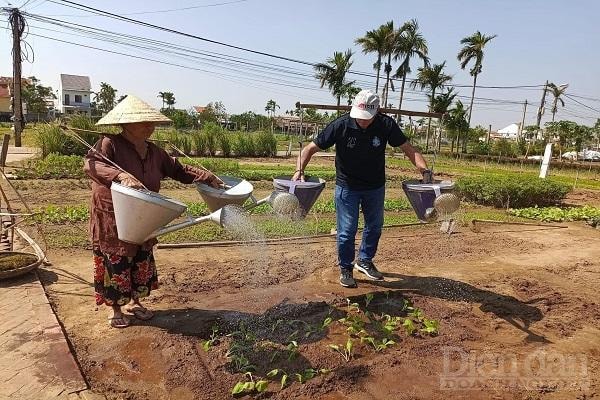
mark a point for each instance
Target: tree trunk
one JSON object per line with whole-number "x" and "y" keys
{"x": 401, "y": 95}
{"x": 458, "y": 141}
{"x": 387, "y": 79}
{"x": 338, "y": 104}
{"x": 429, "y": 123}
{"x": 452, "y": 146}
{"x": 378, "y": 72}
{"x": 472, "y": 97}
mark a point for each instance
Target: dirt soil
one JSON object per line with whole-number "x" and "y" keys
{"x": 518, "y": 313}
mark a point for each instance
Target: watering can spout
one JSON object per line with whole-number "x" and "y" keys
{"x": 213, "y": 217}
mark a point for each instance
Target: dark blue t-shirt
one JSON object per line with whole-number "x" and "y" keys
{"x": 360, "y": 153}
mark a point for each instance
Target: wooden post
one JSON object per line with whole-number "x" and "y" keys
{"x": 16, "y": 21}
{"x": 542, "y": 103}
{"x": 522, "y": 121}
{"x": 4, "y": 150}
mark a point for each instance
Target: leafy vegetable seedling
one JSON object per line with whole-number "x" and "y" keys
{"x": 207, "y": 344}
{"x": 345, "y": 351}
{"x": 432, "y": 326}
{"x": 368, "y": 298}
{"x": 249, "y": 386}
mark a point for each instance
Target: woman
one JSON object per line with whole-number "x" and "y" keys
{"x": 124, "y": 273}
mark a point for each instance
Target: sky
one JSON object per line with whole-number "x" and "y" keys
{"x": 537, "y": 40}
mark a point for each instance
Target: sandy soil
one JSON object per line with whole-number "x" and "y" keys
{"x": 512, "y": 294}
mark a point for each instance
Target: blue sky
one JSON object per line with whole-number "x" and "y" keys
{"x": 537, "y": 40}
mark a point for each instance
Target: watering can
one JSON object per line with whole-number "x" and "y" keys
{"x": 236, "y": 191}
{"x": 306, "y": 192}
{"x": 424, "y": 198}
{"x": 142, "y": 214}
{"x": 283, "y": 203}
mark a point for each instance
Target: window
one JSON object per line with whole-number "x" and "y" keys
{"x": 77, "y": 98}
{"x": 67, "y": 100}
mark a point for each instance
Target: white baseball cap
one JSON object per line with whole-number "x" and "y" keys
{"x": 365, "y": 105}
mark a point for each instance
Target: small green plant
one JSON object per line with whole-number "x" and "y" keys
{"x": 379, "y": 346}
{"x": 54, "y": 166}
{"x": 346, "y": 351}
{"x": 247, "y": 387}
{"x": 368, "y": 298}
{"x": 292, "y": 350}
{"x": 284, "y": 376}
{"x": 207, "y": 344}
{"x": 409, "y": 326}
{"x": 431, "y": 326}
{"x": 556, "y": 214}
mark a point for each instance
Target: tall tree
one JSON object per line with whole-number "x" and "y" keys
{"x": 162, "y": 97}
{"x": 557, "y": 92}
{"x": 333, "y": 73}
{"x": 411, "y": 43}
{"x": 473, "y": 51}
{"x": 36, "y": 96}
{"x": 271, "y": 107}
{"x": 456, "y": 123}
{"x": 431, "y": 78}
{"x": 169, "y": 100}
{"x": 106, "y": 97}
{"x": 376, "y": 41}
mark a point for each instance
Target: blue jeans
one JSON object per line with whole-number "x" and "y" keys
{"x": 347, "y": 207}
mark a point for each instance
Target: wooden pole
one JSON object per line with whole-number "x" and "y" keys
{"x": 4, "y": 151}
{"x": 16, "y": 21}
{"x": 522, "y": 121}
{"x": 542, "y": 103}
{"x": 382, "y": 110}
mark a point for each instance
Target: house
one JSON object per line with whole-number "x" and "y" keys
{"x": 75, "y": 94}
{"x": 5, "y": 98}
{"x": 510, "y": 132}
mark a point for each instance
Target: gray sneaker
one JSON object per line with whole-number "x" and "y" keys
{"x": 368, "y": 268}
{"x": 346, "y": 278}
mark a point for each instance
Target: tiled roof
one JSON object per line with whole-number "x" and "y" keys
{"x": 4, "y": 90}
{"x": 199, "y": 109}
{"x": 75, "y": 82}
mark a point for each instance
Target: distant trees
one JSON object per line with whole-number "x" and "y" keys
{"x": 105, "y": 98}
{"x": 37, "y": 96}
{"x": 473, "y": 51}
{"x": 557, "y": 92}
{"x": 333, "y": 73}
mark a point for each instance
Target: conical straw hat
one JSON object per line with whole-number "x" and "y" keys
{"x": 131, "y": 110}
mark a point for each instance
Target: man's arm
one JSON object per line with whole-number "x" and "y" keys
{"x": 415, "y": 157}
{"x": 305, "y": 156}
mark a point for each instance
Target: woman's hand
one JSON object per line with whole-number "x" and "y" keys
{"x": 298, "y": 176}
{"x": 129, "y": 180}
{"x": 216, "y": 182}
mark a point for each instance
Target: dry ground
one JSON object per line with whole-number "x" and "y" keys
{"x": 497, "y": 295}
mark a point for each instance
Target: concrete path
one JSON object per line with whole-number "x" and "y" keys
{"x": 35, "y": 359}
{"x": 21, "y": 153}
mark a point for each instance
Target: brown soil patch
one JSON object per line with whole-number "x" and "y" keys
{"x": 497, "y": 296}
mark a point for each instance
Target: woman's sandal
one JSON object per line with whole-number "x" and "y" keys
{"x": 119, "y": 322}
{"x": 141, "y": 313}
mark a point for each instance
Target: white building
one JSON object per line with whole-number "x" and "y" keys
{"x": 510, "y": 132}
{"x": 75, "y": 94}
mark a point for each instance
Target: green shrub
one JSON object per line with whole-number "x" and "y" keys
{"x": 54, "y": 166}
{"x": 243, "y": 145}
{"x": 82, "y": 122}
{"x": 505, "y": 148}
{"x": 265, "y": 144}
{"x": 199, "y": 143}
{"x": 211, "y": 132}
{"x": 481, "y": 148}
{"x": 556, "y": 214}
{"x": 511, "y": 191}
{"x": 225, "y": 144}
{"x": 50, "y": 138}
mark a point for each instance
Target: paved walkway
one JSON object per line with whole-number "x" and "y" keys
{"x": 20, "y": 153}
{"x": 35, "y": 360}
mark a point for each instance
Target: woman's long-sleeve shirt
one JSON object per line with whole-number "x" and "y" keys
{"x": 149, "y": 171}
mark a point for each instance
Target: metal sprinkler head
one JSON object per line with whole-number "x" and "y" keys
{"x": 284, "y": 203}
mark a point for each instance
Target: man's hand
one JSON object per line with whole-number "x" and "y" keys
{"x": 298, "y": 176}
{"x": 427, "y": 176}
{"x": 129, "y": 180}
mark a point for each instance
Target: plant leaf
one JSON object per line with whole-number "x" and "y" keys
{"x": 249, "y": 386}
{"x": 272, "y": 373}
{"x": 238, "y": 388}
{"x": 284, "y": 379}
{"x": 261, "y": 386}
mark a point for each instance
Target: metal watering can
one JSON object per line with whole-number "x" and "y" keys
{"x": 142, "y": 214}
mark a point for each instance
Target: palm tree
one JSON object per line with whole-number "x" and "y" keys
{"x": 456, "y": 123}
{"x": 432, "y": 78}
{"x": 333, "y": 73}
{"x": 106, "y": 97}
{"x": 441, "y": 104}
{"x": 169, "y": 99}
{"x": 162, "y": 97}
{"x": 271, "y": 107}
{"x": 411, "y": 43}
{"x": 350, "y": 92}
{"x": 375, "y": 41}
{"x": 473, "y": 50}
{"x": 557, "y": 92}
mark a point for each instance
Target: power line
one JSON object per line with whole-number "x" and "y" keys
{"x": 580, "y": 103}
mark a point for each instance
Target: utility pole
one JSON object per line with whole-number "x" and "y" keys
{"x": 489, "y": 134}
{"x": 523, "y": 120}
{"x": 542, "y": 104}
{"x": 17, "y": 23}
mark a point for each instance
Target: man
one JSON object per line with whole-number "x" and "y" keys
{"x": 360, "y": 140}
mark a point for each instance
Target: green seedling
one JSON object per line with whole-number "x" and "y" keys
{"x": 416, "y": 313}
{"x": 389, "y": 325}
{"x": 345, "y": 351}
{"x": 292, "y": 349}
{"x": 354, "y": 323}
{"x": 207, "y": 344}
{"x": 431, "y": 326}
{"x": 409, "y": 326}
{"x": 368, "y": 298}
{"x": 284, "y": 376}
{"x": 352, "y": 306}
{"x": 310, "y": 329}
{"x": 378, "y": 346}
{"x": 241, "y": 363}
{"x": 275, "y": 325}
{"x": 249, "y": 386}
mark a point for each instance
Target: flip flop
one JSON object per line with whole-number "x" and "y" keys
{"x": 141, "y": 313}
{"x": 114, "y": 324}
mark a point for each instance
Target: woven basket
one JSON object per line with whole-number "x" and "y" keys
{"x": 13, "y": 273}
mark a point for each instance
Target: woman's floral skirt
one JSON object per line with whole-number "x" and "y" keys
{"x": 119, "y": 279}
